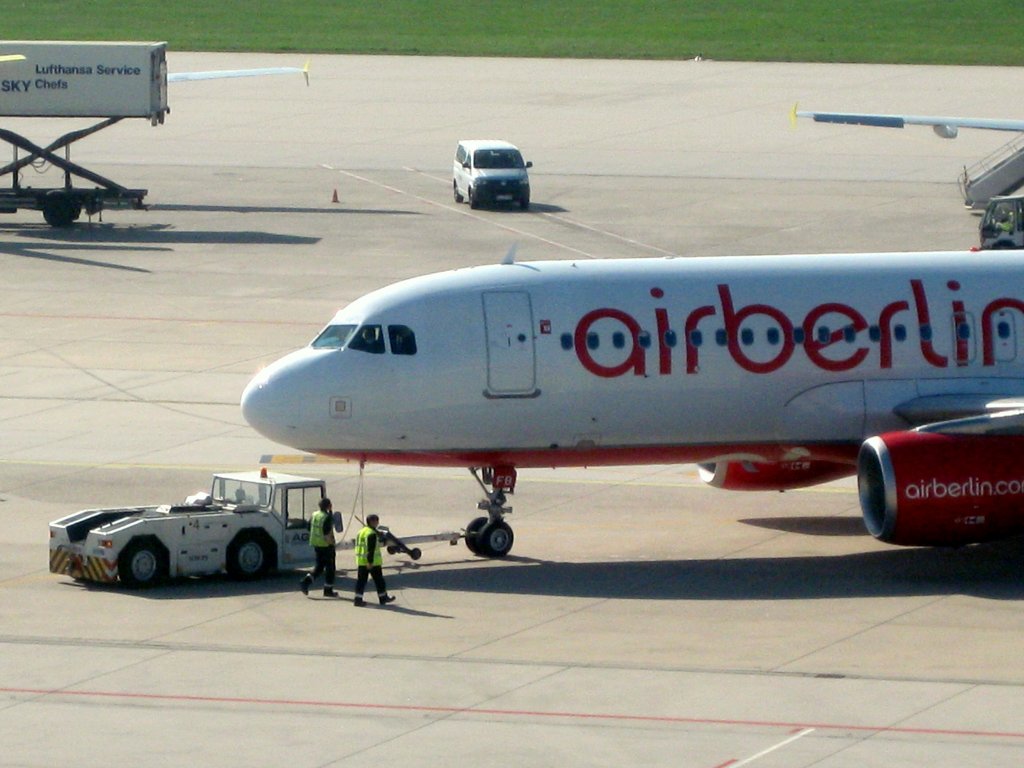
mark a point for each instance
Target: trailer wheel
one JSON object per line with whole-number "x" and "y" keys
{"x": 59, "y": 208}
{"x": 472, "y": 530}
{"x": 250, "y": 554}
{"x": 142, "y": 563}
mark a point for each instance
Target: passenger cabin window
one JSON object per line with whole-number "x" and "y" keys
{"x": 369, "y": 338}
{"x": 403, "y": 340}
{"x": 333, "y": 337}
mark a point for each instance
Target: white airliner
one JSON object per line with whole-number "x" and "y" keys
{"x": 771, "y": 372}
{"x": 944, "y": 127}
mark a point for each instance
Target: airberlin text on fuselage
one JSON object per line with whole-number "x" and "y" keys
{"x": 824, "y": 352}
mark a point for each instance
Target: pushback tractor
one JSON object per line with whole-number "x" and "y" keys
{"x": 249, "y": 523}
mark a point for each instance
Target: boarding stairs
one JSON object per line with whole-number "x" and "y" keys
{"x": 1000, "y": 173}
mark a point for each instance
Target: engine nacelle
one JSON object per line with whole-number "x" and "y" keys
{"x": 927, "y": 488}
{"x": 946, "y": 131}
{"x": 755, "y": 476}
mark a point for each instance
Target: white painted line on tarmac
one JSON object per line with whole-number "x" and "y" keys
{"x": 764, "y": 752}
{"x": 455, "y": 209}
{"x": 577, "y": 224}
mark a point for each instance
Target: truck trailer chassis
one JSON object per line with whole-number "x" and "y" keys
{"x": 62, "y": 206}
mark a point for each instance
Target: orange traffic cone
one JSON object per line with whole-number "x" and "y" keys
{"x": 334, "y": 198}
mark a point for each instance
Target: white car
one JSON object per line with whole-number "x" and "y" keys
{"x": 487, "y": 171}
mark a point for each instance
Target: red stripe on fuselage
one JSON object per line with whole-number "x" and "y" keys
{"x": 840, "y": 453}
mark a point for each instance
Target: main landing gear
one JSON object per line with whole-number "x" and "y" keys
{"x": 491, "y": 536}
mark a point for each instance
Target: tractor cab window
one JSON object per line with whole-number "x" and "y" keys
{"x": 300, "y": 505}
{"x": 241, "y": 493}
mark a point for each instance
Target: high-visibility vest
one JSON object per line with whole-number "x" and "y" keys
{"x": 362, "y": 545}
{"x": 317, "y": 537}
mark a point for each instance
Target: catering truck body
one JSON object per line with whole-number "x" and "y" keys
{"x": 83, "y": 79}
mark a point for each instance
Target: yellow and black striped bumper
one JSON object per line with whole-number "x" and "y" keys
{"x": 87, "y": 567}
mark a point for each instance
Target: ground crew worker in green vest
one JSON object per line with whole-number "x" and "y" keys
{"x": 369, "y": 562}
{"x": 321, "y": 538}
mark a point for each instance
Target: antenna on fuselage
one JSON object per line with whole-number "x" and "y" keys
{"x": 510, "y": 257}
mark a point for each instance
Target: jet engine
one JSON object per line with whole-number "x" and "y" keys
{"x": 755, "y": 476}
{"x": 934, "y": 489}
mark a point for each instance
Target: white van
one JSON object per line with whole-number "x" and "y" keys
{"x": 487, "y": 171}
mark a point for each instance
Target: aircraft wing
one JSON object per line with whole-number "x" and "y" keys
{"x": 946, "y": 127}
{"x": 176, "y": 77}
{"x": 1002, "y": 423}
{"x": 930, "y": 411}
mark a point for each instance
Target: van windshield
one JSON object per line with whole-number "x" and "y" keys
{"x": 498, "y": 158}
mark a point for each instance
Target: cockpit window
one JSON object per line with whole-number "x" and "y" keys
{"x": 333, "y": 337}
{"x": 369, "y": 338}
{"x": 498, "y": 158}
{"x": 403, "y": 340}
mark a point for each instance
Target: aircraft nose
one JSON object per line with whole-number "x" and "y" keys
{"x": 281, "y": 401}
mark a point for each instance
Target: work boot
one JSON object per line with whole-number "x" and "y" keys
{"x": 328, "y": 592}
{"x": 304, "y": 584}
{"x": 359, "y": 602}
{"x": 385, "y": 599}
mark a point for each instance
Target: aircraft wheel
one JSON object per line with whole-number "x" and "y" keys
{"x": 472, "y": 531}
{"x": 495, "y": 539}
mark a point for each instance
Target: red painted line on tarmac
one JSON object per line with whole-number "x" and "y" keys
{"x": 615, "y": 717}
{"x": 727, "y": 762}
{"x": 140, "y": 319}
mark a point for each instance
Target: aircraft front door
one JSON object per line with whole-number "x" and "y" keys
{"x": 511, "y": 361}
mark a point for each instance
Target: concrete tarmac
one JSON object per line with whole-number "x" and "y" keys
{"x": 642, "y": 619}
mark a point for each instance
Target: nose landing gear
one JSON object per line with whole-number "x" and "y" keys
{"x": 491, "y": 536}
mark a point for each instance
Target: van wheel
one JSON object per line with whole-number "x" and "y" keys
{"x": 473, "y": 202}
{"x": 455, "y": 190}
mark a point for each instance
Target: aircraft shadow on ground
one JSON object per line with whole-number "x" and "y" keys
{"x": 811, "y": 526}
{"x": 155, "y": 235}
{"x": 990, "y": 571}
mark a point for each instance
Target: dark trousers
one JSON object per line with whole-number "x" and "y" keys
{"x": 363, "y": 573}
{"x": 325, "y": 564}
